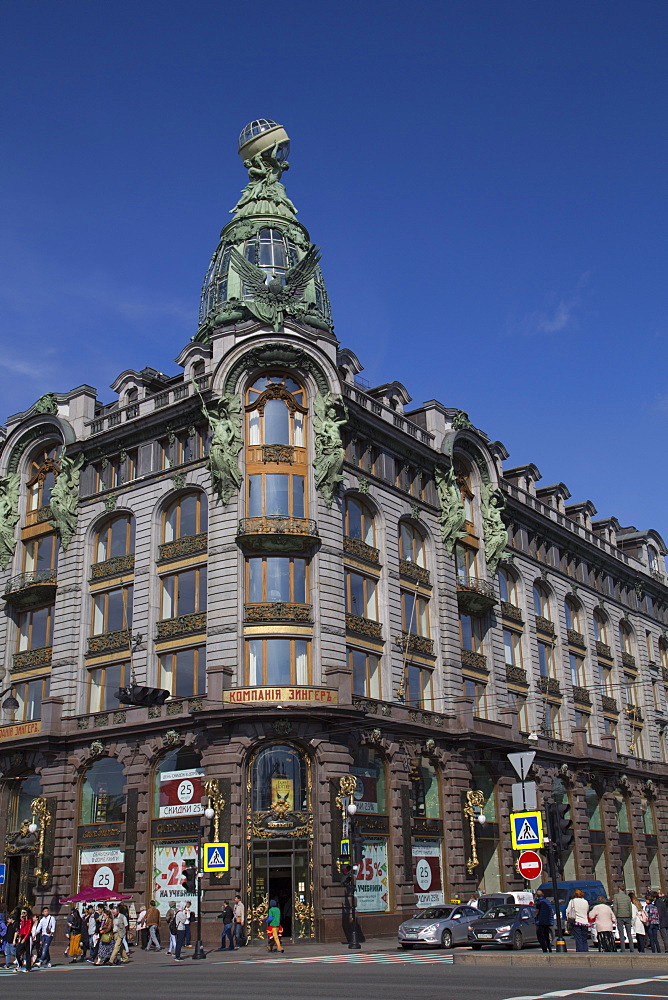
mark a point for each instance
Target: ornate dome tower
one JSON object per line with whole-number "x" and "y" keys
{"x": 265, "y": 266}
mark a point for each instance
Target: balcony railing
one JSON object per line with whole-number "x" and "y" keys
{"x": 112, "y": 567}
{"x": 576, "y": 638}
{"x": 414, "y": 572}
{"x": 581, "y": 695}
{"x": 628, "y": 659}
{"x": 603, "y": 649}
{"x": 474, "y": 661}
{"x": 544, "y": 625}
{"x": 181, "y": 548}
{"x": 512, "y": 612}
{"x": 171, "y": 628}
{"x": 360, "y": 550}
{"x": 277, "y": 533}
{"x": 364, "y": 626}
{"x": 475, "y": 596}
{"x": 412, "y": 643}
{"x": 609, "y": 704}
{"x": 35, "y": 587}
{"x": 27, "y": 659}
{"x": 109, "y": 642}
{"x": 549, "y": 685}
{"x": 515, "y": 675}
{"x": 278, "y": 611}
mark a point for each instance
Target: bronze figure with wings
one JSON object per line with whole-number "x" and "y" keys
{"x": 273, "y": 299}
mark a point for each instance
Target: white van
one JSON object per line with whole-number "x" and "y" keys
{"x": 487, "y": 901}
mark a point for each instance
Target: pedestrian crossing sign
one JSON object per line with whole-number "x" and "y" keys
{"x": 526, "y": 830}
{"x": 216, "y": 857}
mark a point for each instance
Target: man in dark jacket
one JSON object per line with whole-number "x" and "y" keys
{"x": 661, "y": 904}
{"x": 227, "y": 916}
{"x": 544, "y": 921}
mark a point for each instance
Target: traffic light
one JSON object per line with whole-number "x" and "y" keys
{"x": 560, "y": 825}
{"x": 134, "y": 694}
{"x": 189, "y": 881}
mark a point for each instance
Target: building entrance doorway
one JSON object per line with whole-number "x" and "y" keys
{"x": 281, "y": 870}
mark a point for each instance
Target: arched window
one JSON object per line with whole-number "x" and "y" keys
{"x": 42, "y": 474}
{"x": 276, "y": 459}
{"x": 185, "y": 517}
{"x": 369, "y": 769}
{"x": 626, "y": 638}
{"x": 115, "y": 538}
{"x": 541, "y": 601}
{"x": 573, "y": 615}
{"x": 597, "y": 838}
{"x": 560, "y": 795}
{"x": 625, "y": 835}
{"x": 102, "y": 793}
{"x": 488, "y": 872}
{"x": 358, "y": 521}
{"x": 508, "y": 587}
{"x": 411, "y": 544}
{"x": 651, "y": 842}
{"x": 278, "y": 776}
{"x": 425, "y": 797}
{"x": 22, "y": 794}
{"x": 177, "y": 784}
{"x": 601, "y": 632}
{"x": 271, "y": 251}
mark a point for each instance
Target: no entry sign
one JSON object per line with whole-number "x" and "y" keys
{"x": 530, "y": 865}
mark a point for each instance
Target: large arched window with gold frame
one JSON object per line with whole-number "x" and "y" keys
{"x": 22, "y": 792}
{"x": 597, "y": 837}
{"x": 276, "y": 460}
{"x": 102, "y": 802}
{"x": 178, "y": 795}
{"x": 102, "y": 795}
{"x": 42, "y": 474}
{"x": 279, "y": 780}
{"x": 488, "y": 871}
{"x": 371, "y": 798}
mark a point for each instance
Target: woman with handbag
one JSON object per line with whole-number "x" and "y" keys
{"x": 106, "y": 945}
{"x": 74, "y": 950}
{"x": 578, "y": 912}
{"x": 638, "y": 921}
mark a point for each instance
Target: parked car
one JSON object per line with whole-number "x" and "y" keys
{"x": 566, "y": 890}
{"x": 489, "y": 901}
{"x": 437, "y": 925}
{"x": 509, "y": 925}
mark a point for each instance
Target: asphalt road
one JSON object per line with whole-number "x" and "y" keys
{"x": 380, "y": 975}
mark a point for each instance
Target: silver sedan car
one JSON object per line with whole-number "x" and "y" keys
{"x": 438, "y": 925}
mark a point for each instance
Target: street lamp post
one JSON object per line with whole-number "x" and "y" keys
{"x": 351, "y": 809}
{"x": 199, "y": 947}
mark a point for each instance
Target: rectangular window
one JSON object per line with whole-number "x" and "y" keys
{"x": 522, "y": 712}
{"x": 478, "y": 691}
{"x": 276, "y": 578}
{"x": 41, "y": 553}
{"x": 115, "y": 471}
{"x": 419, "y": 690}
{"x": 29, "y": 696}
{"x": 361, "y": 596}
{"x": 552, "y": 720}
{"x": 576, "y": 664}
{"x": 35, "y": 628}
{"x": 112, "y": 610}
{"x": 582, "y": 720}
{"x": 545, "y": 659}
{"x": 470, "y": 629}
{"x": 465, "y": 559}
{"x": 278, "y": 662}
{"x": 414, "y": 613}
{"x": 103, "y": 683}
{"x": 183, "y": 673}
{"x": 365, "y": 669}
{"x": 605, "y": 678}
{"x": 276, "y": 495}
{"x": 512, "y": 644}
{"x": 184, "y": 593}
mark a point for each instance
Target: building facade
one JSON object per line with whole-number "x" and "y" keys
{"x": 345, "y": 598}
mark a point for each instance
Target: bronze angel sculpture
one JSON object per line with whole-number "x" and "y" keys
{"x": 273, "y": 299}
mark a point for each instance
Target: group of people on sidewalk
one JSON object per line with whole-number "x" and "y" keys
{"x": 645, "y": 922}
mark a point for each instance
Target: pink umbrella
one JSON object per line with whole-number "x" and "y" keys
{"x": 94, "y": 895}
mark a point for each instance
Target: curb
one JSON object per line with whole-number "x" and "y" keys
{"x": 573, "y": 959}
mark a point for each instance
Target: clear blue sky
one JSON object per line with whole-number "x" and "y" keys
{"x": 486, "y": 178}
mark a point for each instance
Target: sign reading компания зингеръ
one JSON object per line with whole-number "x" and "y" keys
{"x": 20, "y": 729}
{"x": 284, "y": 695}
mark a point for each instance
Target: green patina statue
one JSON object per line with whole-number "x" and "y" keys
{"x": 9, "y": 515}
{"x": 225, "y": 421}
{"x": 273, "y": 299}
{"x": 329, "y": 453}
{"x": 452, "y": 514}
{"x": 495, "y": 532}
{"x": 65, "y": 497}
{"x": 46, "y": 403}
{"x": 264, "y": 194}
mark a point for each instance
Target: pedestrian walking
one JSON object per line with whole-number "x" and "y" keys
{"x": 170, "y": 920}
{"x": 544, "y": 916}
{"x": 142, "y": 929}
{"x": 180, "y": 923}
{"x": 46, "y": 928}
{"x": 3, "y": 936}
{"x": 603, "y": 918}
{"x": 274, "y": 926}
{"x": 652, "y": 925}
{"x": 23, "y": 941}
{"x": 74, "y": 950}
{"x": 578, "y": 912}
{"x": 188, "y": 918}
{"x": 623, "y": 911}
{"x": 9, "y": 945}
{"x": 239, "y": 921}
{"x": 639, "y": 920}
{"x": 106, "y": 942}
{"x": 120, "y": 925}
{"x": 227, "y": 934}
{"x": 93, "y": 922}
{"x": 152, "y": 924}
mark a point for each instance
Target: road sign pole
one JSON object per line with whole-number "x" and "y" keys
{"x": 199, "y": 947}
{"x": 552, "y": 865}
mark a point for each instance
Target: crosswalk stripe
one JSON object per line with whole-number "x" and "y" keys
{"x": 375, "y": 958}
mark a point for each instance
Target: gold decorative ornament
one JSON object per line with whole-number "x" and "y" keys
{"x": 475, "y": 800}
